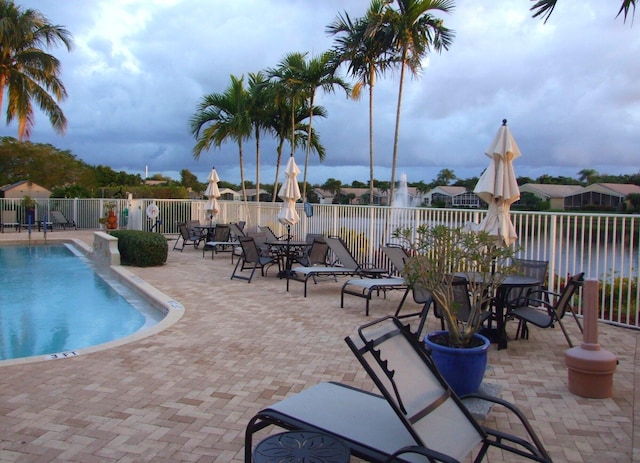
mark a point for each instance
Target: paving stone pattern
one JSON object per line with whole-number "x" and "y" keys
{"x": 187, "y": 393}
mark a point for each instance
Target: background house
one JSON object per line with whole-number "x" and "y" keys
{"x": 555, "y": 194}
{"x": 24, "y": 188}
{"x": 452, "y": 196}
{"x": 603, "y": 196}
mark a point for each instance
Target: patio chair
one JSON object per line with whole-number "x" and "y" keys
{"x": 346, "y": 265}
{"x": 417, "y": 417}
{"x": 367, "y": 287}
{"x": 460, "y": 287}
{"x": 187, "y": 236}
{"x": 9, "y": 219}
{"x": 316, "y": 254}
{"x": 545, "y": 308}
{"x": 60, "y": 221}
{"x": 220, "y": 241}
{"x": 251, "y": 258}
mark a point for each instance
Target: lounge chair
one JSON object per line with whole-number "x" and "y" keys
{"x": 251, "y": 258}
{"x": 366, "y": 287}
{"x": 545, "y": 308}
{"x": 188, "y": 237}
{"x": 417, "y": 418}
{"x": 60, "y": 221}
{"x": 220, "y": 241}
{"x": 348, "y": 265}
{"x": 9, "y": 219}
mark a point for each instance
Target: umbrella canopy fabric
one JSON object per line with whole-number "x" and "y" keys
{"x": 212, "y": 192}
{"x": 498, "y": 186}
{"x": 290, "y": 193}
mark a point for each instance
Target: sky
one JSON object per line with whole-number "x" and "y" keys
{"x": 139, "y": 69}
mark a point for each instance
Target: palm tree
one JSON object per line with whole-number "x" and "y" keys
{"x": 280, "y": 123}
{"x": 587, "y": 176}
{"x": 445, "y": 176}
{"x": 27, "y": 72}
{"x": 415, "y": 33}
{"x": 544, "y": 8}
{"x": 223, "y": 116}
{"x": 367, "y": 57}
{"x": 318, "y": 72}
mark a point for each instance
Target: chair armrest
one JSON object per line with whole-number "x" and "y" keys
{"x": 535, "y": 447}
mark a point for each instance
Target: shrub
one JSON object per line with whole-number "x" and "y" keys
{"x": 140, "y": 248}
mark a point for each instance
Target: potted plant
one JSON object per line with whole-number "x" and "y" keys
{"x": 110, "y": 215}
{"x": 29, "y": 205}
{"x": 440, "y": 257}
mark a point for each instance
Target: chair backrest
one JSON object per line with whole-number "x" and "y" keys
{"x": 312, "y": 236}
{"x": 460, "y": 289}
{"x": 572, "y": 286}
{"x": 221, "y": 233}
{"x": 10, "y": 217}
{"x": 184, "y": 231}
{"x": 532, "y": 268}
{"x": 268, "y": 233}
{"x": 250, "y": 251}
{"x": 58, "y": 217}
{"x": 412, "y": 385}
{"x": 236, "y": 231}
{"x": 397, "y": 255}
{"x": 318, "y": 252}
{"x": 342, "y": 253}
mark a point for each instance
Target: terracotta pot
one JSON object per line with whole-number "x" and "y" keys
{"x": 112, "y": 221}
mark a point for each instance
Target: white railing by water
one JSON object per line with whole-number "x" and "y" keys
{"x": 604, "y": 246}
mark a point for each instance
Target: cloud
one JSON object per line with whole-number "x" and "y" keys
{"x": 140, "y": 68}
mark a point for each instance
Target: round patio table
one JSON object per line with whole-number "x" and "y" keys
{"x": 299, "y": 446}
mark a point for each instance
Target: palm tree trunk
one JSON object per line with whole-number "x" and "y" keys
{"x": 257, "y": 164}
{"x": 306, "y": 157}
{"x": 275, "y": 183}
{"x": 397, "y": 130}
{"x": 372, "y": 78}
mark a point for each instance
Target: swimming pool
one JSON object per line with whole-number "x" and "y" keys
{"x": 53, "y": 302}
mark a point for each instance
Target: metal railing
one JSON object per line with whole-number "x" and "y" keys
{"x": 604, "y": 246}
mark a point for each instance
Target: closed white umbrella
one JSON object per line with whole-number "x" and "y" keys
{"x": 290, "y": 193}
{"x": 212, "y": 193}
{"x": 498, "y": 186}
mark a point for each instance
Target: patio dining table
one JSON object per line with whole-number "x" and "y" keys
{"x": 501, "y": 300}
{"x": 288, "y": 249}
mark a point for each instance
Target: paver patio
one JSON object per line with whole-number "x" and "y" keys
{"x": 186, "y": 394}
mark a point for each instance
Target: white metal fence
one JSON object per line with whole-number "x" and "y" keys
{"x": 604, "y": 246}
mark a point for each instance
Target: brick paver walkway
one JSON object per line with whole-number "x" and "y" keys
{"x": 186, "y": 394}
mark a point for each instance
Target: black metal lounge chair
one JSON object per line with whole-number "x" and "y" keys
{"x": 347, "y": 265}
{"x": 545, "y": 308}
{"x": 60, "y": 221}
{"x": 252, "y": 258}
{"x": 187, "y": 236}
{"x": 417, "y": 417}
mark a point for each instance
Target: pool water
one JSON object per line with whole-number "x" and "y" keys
{"x": 52, "y": 301}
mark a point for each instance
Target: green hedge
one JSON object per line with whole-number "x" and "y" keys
{"x": 140, "y": 248}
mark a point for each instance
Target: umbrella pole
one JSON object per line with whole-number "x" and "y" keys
{"x": 287, "y": 268}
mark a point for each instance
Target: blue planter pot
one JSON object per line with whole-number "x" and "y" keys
{"x": 462, "y": 368}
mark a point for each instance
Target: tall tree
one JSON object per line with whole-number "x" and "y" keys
{"x": 223, "y": 116}
{"x": 367, "y": 56}
{"x": 416, "y": 31}
{"x": 27, "y": 72}
{"x": 544, "y": 8}
{"x": 588, "y": 176}
{"x": 318, "y": 72}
